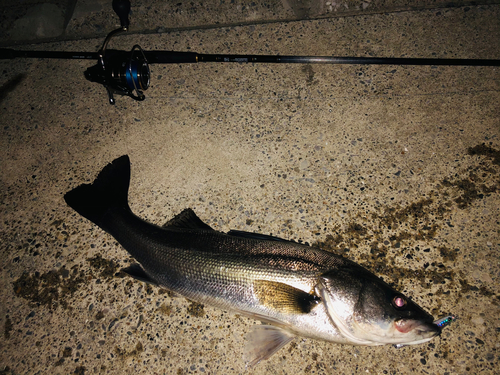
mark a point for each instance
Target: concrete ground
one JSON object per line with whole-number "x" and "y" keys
{"x": 395, "y": 167}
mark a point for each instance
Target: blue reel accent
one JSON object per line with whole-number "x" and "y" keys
{"x": 131, "y": 74}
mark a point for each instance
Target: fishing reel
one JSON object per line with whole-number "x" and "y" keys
{"x": 121, "y": 72}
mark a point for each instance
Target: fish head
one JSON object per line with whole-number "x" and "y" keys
{"x": 367, "y": 311}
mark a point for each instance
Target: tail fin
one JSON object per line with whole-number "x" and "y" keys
{"x": 109, "y": 190}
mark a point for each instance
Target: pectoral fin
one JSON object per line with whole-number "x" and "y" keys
{"x": 284, "y": 298}
{"x": 263, "y": 341}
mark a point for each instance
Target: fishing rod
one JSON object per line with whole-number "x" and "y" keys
{"x": 127, "y": 73}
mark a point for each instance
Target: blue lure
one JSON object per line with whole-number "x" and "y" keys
{"x": 446, "y": 321}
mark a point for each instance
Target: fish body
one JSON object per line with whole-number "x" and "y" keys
{"x": 296, "y": 289}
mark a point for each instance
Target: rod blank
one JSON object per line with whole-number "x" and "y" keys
{"x": 345, "y": 60}
{"x": 172, "y": 57}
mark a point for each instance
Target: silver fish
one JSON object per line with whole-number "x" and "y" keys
{"x": 296, "y": 290}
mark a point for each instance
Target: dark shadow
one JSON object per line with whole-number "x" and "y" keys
{"x": 10, "y": 86}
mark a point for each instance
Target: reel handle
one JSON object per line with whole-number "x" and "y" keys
{"x": 122, "y": 9}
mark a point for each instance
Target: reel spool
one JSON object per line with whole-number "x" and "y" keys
{"x": 134, "y": 73}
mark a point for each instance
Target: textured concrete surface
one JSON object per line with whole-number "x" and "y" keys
{"x": 42, "y": 20}
{"x": 394, "y": 167}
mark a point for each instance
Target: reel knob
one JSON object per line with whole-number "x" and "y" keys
{"x": 122, "y": 9}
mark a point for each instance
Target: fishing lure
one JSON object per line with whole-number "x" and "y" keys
{"x": 446, "y": 321}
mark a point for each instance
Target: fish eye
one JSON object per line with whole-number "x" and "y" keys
{"x": 399, "y": 302}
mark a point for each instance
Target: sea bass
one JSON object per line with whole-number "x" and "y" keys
{"x": 295, "y": 289}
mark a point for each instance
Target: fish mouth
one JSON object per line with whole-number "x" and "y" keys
{"x": 429, "y": 329}
{"x": 420, "y": 328}
{"x": 418, "y": 331}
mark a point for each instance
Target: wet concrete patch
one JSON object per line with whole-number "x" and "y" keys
{"x": 51, "y": 288}
{"x": 106, "y": 268}
{"x": 487, "y": 151}
{"x": 196, "y": 309}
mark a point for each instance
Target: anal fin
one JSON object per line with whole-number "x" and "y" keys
{"x": 263, "y": 341}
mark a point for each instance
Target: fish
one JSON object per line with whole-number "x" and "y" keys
{"x": 293, "y": 289}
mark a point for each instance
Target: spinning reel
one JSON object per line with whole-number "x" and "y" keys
{"x": 120, "y": 72}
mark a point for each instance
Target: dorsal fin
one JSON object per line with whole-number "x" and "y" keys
{"x": 187, "y": 219}
{"x": 254, "y": 236}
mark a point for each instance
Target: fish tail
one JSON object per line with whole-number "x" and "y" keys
{"x": 108, "y": 191}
